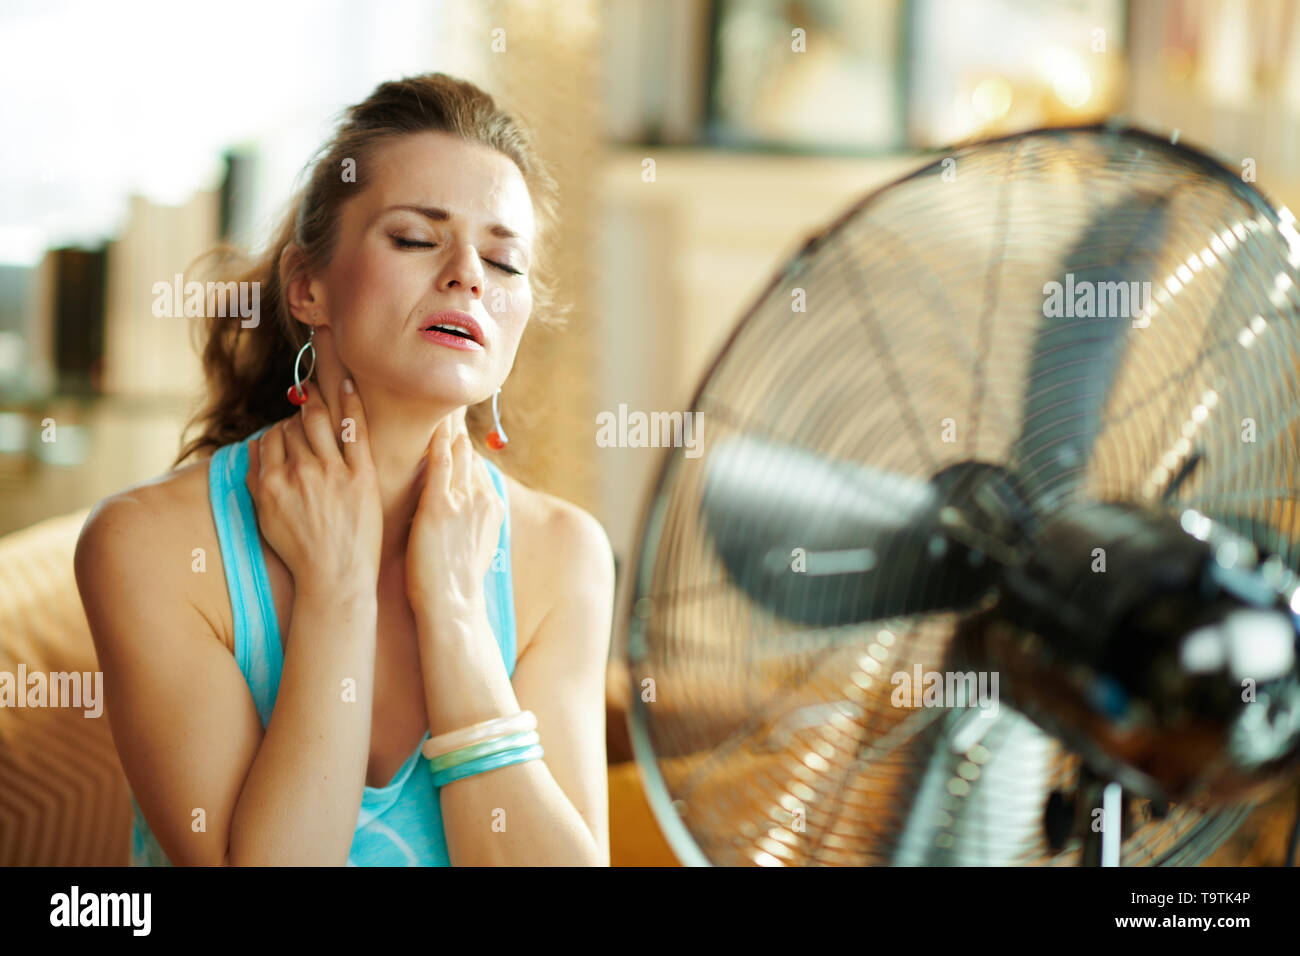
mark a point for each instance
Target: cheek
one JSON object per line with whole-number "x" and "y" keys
{"x": 516, "y": 318}
{"x": 366, "y": 288}
{"x": 371, "y": 274}
{"x": 521, "y": 304}
{"x": 510, "y": 308}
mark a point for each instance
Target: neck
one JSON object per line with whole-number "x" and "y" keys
{"x": 400, "y": 431}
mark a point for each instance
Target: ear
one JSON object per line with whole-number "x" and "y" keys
{"x": 300, "y": 289}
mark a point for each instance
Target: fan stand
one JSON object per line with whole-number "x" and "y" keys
{"x": 1101, "y": 847}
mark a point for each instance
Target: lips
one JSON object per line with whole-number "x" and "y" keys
{"x": 457, "y": 323}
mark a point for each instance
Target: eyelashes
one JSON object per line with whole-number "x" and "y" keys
{"x": 412, "y": 244}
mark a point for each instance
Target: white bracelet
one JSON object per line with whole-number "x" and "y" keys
{"x": 521, "y": 722}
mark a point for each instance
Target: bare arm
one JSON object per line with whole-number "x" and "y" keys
{"x": 182, "y": 717}
{"x": 320, "y": 511}
{"x": 214, "y": 788}
{"x": 551, "y": 811}
{"x": 300, "y": 801}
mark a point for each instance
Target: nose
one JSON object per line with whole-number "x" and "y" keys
{"x": 462, "y": 271}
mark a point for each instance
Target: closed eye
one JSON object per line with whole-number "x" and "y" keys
{"x": 412, "y": 244}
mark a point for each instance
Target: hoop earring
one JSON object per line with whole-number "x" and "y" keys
{"x": 496, "y": 438}
{"x": 298, "y": 391}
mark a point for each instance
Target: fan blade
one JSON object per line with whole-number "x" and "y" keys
{"x": 1074, "y": 359}
{"x": 832, "y": 543}
{"x": 989, "y": 813}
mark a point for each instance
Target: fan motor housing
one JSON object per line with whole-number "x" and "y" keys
{"x": 1101, "y": 637}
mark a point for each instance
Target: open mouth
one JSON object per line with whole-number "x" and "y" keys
{"x": 454, "y": 328}
{"x": 452, "y": 336}
{"x": 451, "y": 330}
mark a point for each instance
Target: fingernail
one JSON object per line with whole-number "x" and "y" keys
{"x": 348, "y": 386}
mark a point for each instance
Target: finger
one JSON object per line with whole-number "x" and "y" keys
{"x": 355, "y": 433}
{"x": 490, "y": 486}
{"x": 271, "y": 453}
{"x": 484, "y": 476}
{"x": 318, "y": 428}
{"x": 295, "y": 441}
{"x": 438, "y": 471}
{"x": 462, "y": 463}
{"x": 253, "y": 475}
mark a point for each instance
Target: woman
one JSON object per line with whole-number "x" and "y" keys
{"x": 283, "y": 625}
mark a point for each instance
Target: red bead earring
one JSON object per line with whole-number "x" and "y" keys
{"x": 496, "y": 438}
{"x": 298, "y": 391}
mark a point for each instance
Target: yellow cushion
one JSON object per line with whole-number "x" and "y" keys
{"x": 63, "y": 796}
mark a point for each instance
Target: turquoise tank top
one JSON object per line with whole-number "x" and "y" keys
{"x": 400, "y": 824}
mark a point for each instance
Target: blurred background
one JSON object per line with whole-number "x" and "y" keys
{"x": 137, "y": 135}
{"x": 133, "y": 142}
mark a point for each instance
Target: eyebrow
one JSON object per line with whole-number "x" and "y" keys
{"x": 438, "y": 214}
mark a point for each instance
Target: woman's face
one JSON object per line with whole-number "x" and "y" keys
{"x": 431, "y": 232}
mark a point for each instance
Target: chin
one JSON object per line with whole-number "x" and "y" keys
{"x": 445, "y": 387}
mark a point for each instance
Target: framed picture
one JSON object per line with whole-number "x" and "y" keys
{"x": 808, "y": 76}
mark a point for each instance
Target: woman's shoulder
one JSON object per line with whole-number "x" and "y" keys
{"x": 164, "y": 505}
{"x": 551, "y": 522}
{"x": 154, "y": 537}
{"x": 557, "y": 549}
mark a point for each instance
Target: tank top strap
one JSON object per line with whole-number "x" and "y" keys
{"x": 499, "y": 584}
{"x": 257, "y": 630}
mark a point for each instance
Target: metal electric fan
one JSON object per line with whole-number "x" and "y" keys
{"x": 989, "y": 556}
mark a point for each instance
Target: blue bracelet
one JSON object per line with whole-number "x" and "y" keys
{"x": 485, "y": 748}
{"x": 502, "y": 758}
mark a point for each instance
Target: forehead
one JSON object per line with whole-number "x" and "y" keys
{"x": 470, "y": 180}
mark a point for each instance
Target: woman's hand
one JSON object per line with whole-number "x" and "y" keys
{"x": 456, "y": 527}
{"x": 319, "y": 507}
